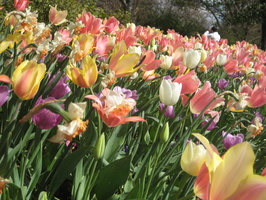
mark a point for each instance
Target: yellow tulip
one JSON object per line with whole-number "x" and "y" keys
{"x": 26, "y": 79}
{"x": 86, "y": 76}
{"x": 123, "y": 64}
{"x": 193, "y": 158}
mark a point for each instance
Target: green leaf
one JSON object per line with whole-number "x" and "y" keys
{"x": 68, "y": 164}
{"x": 111, "y": 178}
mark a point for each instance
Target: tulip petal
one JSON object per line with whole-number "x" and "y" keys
{"x": 5, "y": 79}
{"x": 253, "y": 187}
{"x": 236, "y": 166}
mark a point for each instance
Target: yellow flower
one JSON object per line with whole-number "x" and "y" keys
{"x": 26, "y": 79}
{"x": 86, "y": 76}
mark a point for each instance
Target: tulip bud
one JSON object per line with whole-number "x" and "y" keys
{"x": 165, "y": 133}
{"x": 193, "y": 158}
{"x": 99, "y": 147}
{"x": 166, "y": 62}
{"x": 191, "y": 58}
{"x": 169, "y": 92}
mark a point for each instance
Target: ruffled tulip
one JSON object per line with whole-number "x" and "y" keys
{"x": 26, "y": 79}
{"x": 193, "y": 158}
{"x": 57, "y": 17}
{"x": 115, "y": 107}
{"x": 169, "y": 92}
{"x": 86, "y": 76}
{"x": 74, "y": 127}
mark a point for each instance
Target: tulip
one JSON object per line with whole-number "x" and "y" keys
{"x": 231, "y": 140}
{"x": 164, "y": 135}
{"x": 4, "y": 91}
{"x": 222, "y": 84}
{"x": 60, "y": 89}
{"x": 26, "y": 79}
{"x": 166, "y": 62}
{"x": 193, "y": 158}
{"x": 57, "y": 17}
{"x": 203, "y": 98}
{"x": 115, "y": 107}
{"x": 123, "y": 64}
{"x": 86, "y": 76}
{"x": 169, "y": 92}
{"x": 190, "y": 82}
{"x": 45, "y": 119}
{"x": 229, "y": 177}
{"x": 21, "y": 4}
{"x": 221, "y": 59}
{"x": 168, "y": 111}
{"x": 191, "y": 58}
{"x": 74, "y": 127}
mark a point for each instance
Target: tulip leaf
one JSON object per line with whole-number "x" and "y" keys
{"x": 68, "y": 164}
{"x": 111, "y": 177}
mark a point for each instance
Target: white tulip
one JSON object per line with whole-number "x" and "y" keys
{"x": 169, "y": 92}
{"x": 166, "y": 62}
{"x": 221, "y": 59}
{"x": 191, "y": 58}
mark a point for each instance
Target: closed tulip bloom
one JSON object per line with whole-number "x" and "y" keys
{"x": 45, "y": 119}
{"x": 86, "y": 76}
{"x": 193, "y": 158}
{"x": 222, "y": 84}
{"x": 166, "y": 62}
{"x": 26, "y": 79}
{"x": 191, "y": 58}
{"x": 21, "y": 4}
{"x": 169, "y": 92}
{"x": 221, "y": 59}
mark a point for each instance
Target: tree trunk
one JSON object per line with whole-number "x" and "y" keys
{"x": 263, "y": 26}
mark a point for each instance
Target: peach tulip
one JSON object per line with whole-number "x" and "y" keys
{"x": 26, "y": 79}
{"x": 57, "y": 17}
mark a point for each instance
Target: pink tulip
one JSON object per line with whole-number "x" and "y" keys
{"x": 190, "y": 82}
{"x": 21, "y": 4}
{"x": 204, "y": 97}
{"x": 111, "y": 25}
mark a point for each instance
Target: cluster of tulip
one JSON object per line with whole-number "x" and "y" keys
{"x": 66, "y": 92}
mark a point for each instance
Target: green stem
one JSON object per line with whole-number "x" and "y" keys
{"x": 90, "y": 182}
{"x": 153, "y": 171}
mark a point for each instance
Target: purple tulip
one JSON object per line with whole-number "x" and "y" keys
{"x": 211, "y": 126}
{"x": 231, "y": 140}
{"x": 61, "y": 88}
{"x": 4, "y": 91}
{"x": 60, "y": 57}
{"x": 222, "y": 84}
{"x": 46, "y": 119}
{"x": 127, "y": 92}
{"x": 168, "y": 111}
{"x": 168, "y": 78}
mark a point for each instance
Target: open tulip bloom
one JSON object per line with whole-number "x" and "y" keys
{"x": 228, "y": 177}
